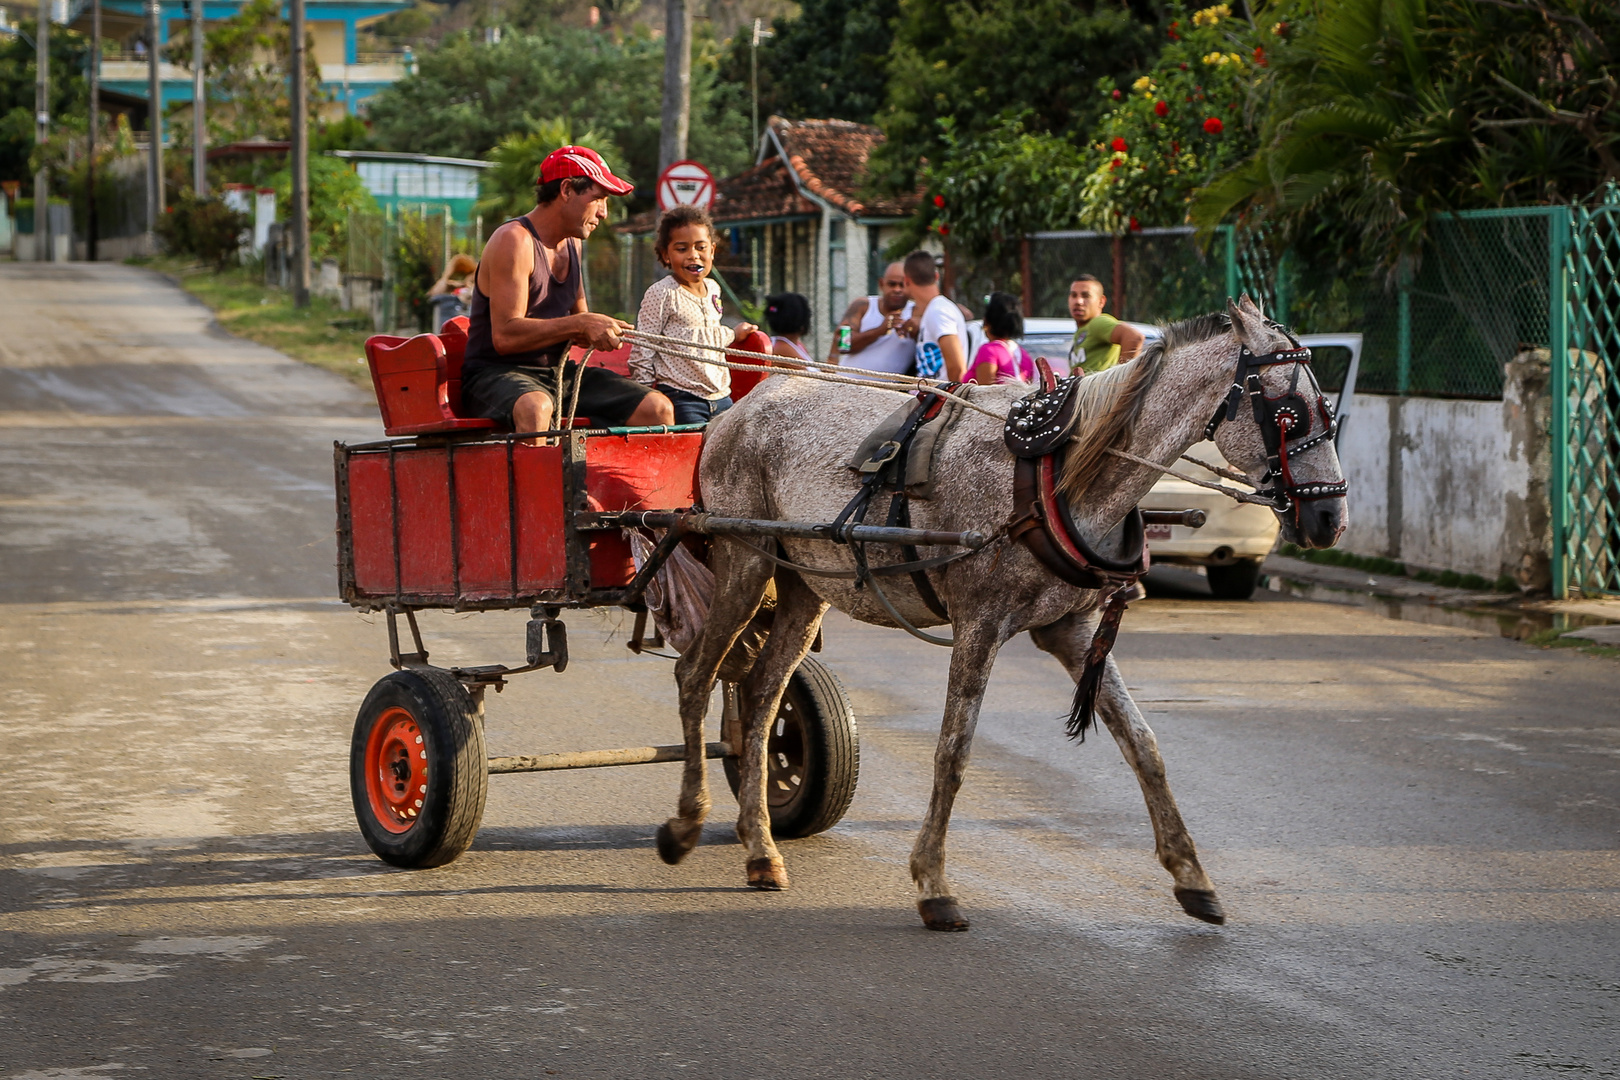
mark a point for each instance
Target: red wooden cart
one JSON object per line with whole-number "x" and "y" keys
{"x": 450, "y": 513}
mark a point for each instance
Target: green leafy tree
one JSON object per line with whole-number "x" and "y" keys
{"x": 466, "y": 97}
{"x": 335, "y": 191}
{"x": 1173, "y": 128}
{"x": 972, "y": 61}
{"x": 993, "y": 187}
{"x": 1385, "y": 112}
{"x": 70, "y": 95}
{"x": 830, "y": 61}
{"x": 508, "y": 187}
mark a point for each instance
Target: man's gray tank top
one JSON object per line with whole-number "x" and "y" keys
{"x": 548, "y": 299}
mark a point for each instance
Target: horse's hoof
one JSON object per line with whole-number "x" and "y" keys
{"x": 1201, "y": 904}
{"x": 767, "y": 875}
{"x": 670, "y": 848}
{"x": 941, "y": 913}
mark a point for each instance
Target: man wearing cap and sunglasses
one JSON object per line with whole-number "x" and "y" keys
{"x": 528, "y": 307}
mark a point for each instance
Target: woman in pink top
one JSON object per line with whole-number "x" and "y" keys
{"x": 1001, "y": 359}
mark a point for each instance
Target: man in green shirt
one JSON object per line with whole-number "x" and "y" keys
{"x": 1100, "y": 341}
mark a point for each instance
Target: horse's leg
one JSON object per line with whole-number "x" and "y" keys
{"x": 1068, "y": 640}
{"x": 740, "y": 580}
{"x": 976, "y": 647}
{"x": 793, "y": 630}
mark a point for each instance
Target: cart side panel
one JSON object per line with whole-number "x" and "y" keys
{"x": 483, "y": 523}
{"x": 423, "y": 479}
{"x": 371, "y": 524}
{"x": 542, "y": 560}
{"x": 636, "y": 472}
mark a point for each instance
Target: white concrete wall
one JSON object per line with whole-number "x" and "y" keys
{"x": 1431, "y": 482}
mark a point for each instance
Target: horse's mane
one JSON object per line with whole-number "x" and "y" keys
{"x": 1111, "y": 401}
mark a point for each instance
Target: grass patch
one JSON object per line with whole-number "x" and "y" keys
{"x": 322, "y": 334}
{"x": 1555, "y": 639}
{"x": 1375, "y": 565}
{"x": 1335, "y": 557}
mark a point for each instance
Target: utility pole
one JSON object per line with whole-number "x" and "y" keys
{"x": 93, "y": 225}
{"x": 199, "y": 102}
{"x": 299, "y": 156}
{"x": 154, "y": 123}
{"x": 677, "y": 83}
{"x": 760, "y": 34}
{"x": 43, "y": 248}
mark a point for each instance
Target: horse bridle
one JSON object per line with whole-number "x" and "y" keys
{"x": 1287, "y": 416}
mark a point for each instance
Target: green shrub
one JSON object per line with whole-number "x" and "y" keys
{"x": 206, "y": 228}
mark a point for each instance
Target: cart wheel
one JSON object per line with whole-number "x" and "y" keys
{"x": 814, "y": 755}
{"x": 417, "y": 770}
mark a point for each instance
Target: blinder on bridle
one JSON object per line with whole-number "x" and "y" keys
{"x": 1289, "y": 417}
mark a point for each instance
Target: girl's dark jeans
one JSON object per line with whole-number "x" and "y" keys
{"x": 691, "y": 409}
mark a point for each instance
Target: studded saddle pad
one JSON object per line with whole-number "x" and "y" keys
{"x": 1041, "y": 422}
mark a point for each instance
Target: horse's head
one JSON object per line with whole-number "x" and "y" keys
{"x": 1276, "y": 427}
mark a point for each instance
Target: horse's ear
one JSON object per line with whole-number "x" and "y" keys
{"x": 1247, "y": 323}
{"x": 1252, "y": 305}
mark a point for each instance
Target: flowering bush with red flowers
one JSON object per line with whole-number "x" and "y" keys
{"x": 1161, "y": 138}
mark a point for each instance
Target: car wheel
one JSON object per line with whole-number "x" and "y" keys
{"x": 1235, "y": 581}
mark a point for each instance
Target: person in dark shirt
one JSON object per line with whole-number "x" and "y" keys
{"x": 528, "y": 307}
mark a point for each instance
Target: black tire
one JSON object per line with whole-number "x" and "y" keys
{"x": 418, "y": 729}
{"x": 1236, "y": 581}
{"x": 814, "y": 753}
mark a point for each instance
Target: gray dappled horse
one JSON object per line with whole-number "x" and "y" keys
{"x": 781, "y": 453}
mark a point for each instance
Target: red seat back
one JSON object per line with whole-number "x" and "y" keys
{"x": 617, "y": 360}
{"x": 454, "y": 336}
{"x": 744, "y": 381}
{"x": 410, "y": 376}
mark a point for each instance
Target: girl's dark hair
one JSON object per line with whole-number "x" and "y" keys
{"x": 674, "y": 218}
{"x": 787, "y": 314}
{"x": 1003, "y": 317}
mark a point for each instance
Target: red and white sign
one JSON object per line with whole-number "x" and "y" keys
{"x": 685, "y": 183}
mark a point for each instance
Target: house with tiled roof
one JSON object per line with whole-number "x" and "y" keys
{"x": 795, "y": 221}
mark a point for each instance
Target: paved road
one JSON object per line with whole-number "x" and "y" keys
{"x": 1413, "y": 828}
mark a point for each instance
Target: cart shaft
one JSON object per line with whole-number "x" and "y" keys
{"x": 698, "y": 522}
{"x": 601, "y": 759}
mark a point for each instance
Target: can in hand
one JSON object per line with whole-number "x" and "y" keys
{"x": 844, "y": 335}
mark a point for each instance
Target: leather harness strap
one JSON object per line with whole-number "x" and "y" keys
{"x": 1042, "y": 523}
{"x": 887, "y": 468}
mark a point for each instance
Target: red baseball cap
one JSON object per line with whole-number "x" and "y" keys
{"x": 566, "y": 161}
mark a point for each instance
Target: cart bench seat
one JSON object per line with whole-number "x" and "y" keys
{"x": 418, "y": 379}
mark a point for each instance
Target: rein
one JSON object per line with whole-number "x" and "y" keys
{"x": 809, "y": 369}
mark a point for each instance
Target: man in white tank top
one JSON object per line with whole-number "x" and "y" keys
{"x": 877, "y": 342}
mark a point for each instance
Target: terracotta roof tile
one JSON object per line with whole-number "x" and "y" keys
{"x": 829, "y": 159}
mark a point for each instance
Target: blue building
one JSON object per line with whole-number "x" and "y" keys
{"x": 348, "y": 76}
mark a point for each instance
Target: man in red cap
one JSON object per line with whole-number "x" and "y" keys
{"x": 528, "y": 307}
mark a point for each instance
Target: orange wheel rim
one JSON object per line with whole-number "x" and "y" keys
{"x": 396, "y": 770}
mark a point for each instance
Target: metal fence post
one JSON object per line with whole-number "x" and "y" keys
{"x": 1403, "y": 330}
{"x": 1558, "y": 242}
{"x": 1279, "y": 293}
{"x": 1230, "y": 232}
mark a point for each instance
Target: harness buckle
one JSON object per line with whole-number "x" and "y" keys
{"x": 884, "y": 454}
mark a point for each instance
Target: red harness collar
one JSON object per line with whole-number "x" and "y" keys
{"x": 1042, "y": 523}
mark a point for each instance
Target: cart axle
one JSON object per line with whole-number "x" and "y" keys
{"x": 601, "y": 759}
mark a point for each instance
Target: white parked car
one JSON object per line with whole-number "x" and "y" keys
{"x": 1236, "y": 537}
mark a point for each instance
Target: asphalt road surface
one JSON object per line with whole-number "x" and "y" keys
{"x": 1413, "y": 828}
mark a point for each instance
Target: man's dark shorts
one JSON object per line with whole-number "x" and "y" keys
{"x": 606, "y": 397}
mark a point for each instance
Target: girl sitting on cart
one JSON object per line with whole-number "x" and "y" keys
{"x": 685, "y": 305}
